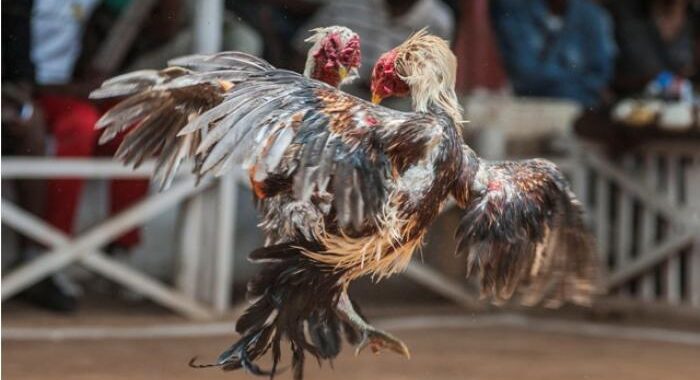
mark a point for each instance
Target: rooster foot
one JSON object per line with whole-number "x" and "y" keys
{"x": 378, "y": 340}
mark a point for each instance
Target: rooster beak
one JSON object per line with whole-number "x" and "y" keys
{"x": 342, "y": 72}
{"x": 376, "y": 98}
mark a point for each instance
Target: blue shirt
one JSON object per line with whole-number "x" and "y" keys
{"x": 570, "y": 56}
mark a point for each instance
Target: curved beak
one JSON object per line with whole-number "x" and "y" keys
{"x": 376, "y": 98}
{"x": 342, "y": 72}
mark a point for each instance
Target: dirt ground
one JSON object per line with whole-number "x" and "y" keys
{"x": 489, "y": 353}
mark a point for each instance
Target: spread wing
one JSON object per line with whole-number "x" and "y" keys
{"x": 523, "y": 229}
{"x": 300, "y": 136}
{"x": 161, "y": 102}
{"x": 293, "y": 135}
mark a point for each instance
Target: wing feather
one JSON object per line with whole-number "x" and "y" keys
{"x": 523, "y": 229}
{"x": 162, "y": 103}
{"x": 222, "y": 61}
{"x": 298, "y": 134}
{"x": 307, "y": 138}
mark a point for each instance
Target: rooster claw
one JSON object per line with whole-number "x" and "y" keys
{"x": 378, "y": 340}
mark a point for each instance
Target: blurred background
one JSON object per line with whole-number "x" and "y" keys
{"x": 105, "y": 277}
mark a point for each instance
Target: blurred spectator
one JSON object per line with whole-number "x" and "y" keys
{"x": 556, "y": 48}
{"x": 58, "y": 29}
{"x": 656, "y": 38}
{"x": 479, "y": 64}
{"x": 23, "y": 133}
{"x": 43, "y": 46}
{"x": 381, "y": 24}
{"x": 23, "y": 125}
{"x": 57, "y": 32}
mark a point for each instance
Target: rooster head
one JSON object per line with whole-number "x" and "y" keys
{"x": 386, "y": 81}
{"x": 423, "y": 67}
{"x": 335, "y": 55}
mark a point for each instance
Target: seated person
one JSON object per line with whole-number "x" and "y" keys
{"x": 657, "y": 39}
{"x": 555, "y": 48}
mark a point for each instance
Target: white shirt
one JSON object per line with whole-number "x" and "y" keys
{"x": 57, "y": 28}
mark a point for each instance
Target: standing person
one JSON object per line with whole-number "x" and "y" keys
{"x": 50, "y": 35}
{"x": 24, "y": 131}
{"x": 57, "y": 28}
{"x": 66, "y": 36}
{"x": 479, "y": 64}
{"x": 556, "y": 48}
{"x": 58, "y": 31}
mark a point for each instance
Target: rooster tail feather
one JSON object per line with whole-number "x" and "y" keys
{"x": 295, "y": 298}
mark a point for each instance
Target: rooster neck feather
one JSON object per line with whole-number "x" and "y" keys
{"x": 429, "y": 67}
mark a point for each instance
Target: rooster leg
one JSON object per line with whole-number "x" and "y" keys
{"x": 376, "y": 339}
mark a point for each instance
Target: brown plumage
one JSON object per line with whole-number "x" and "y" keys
{"x": 350, "y": 189}
{"x": 161, "y": 102}
{"x": 524, "y": 228}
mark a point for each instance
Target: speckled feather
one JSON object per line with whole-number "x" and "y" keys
{"x": 162, "y": 102}
{"x": 301, "y": 137}
{"x": 524, "y": 230}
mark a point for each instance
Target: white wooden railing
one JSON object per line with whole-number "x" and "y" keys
{"x": 644, "y": 207}
{"x": 202, "y": 286}
{"x": 197, "y": 294}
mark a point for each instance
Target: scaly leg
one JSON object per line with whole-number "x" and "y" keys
{"x": 376, "y": 339}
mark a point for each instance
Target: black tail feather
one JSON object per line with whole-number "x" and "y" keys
{"x": 325, "y": 335}
{"x": 294, "y": 298}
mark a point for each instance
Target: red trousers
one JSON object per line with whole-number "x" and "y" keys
{"x": 71, "y": 121}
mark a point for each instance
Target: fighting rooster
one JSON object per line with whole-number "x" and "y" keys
{"x": 163, "y": 101}
{"x": 363, "y": 183}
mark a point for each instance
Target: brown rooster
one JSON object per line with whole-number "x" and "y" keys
{"x": 359, "y": 184}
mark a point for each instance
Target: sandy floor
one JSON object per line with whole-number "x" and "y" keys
{"x": 438, "y": 353}
{"x": 484, "y": 353}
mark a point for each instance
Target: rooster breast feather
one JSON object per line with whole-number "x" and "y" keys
{"x": 523, "y": 229}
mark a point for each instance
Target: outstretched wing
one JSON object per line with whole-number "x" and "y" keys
{"x": 161, "y": 102}
{"x": 523, "y": 229}
{"x": 300, "y": 136}
{"x": 293, "y": 134}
